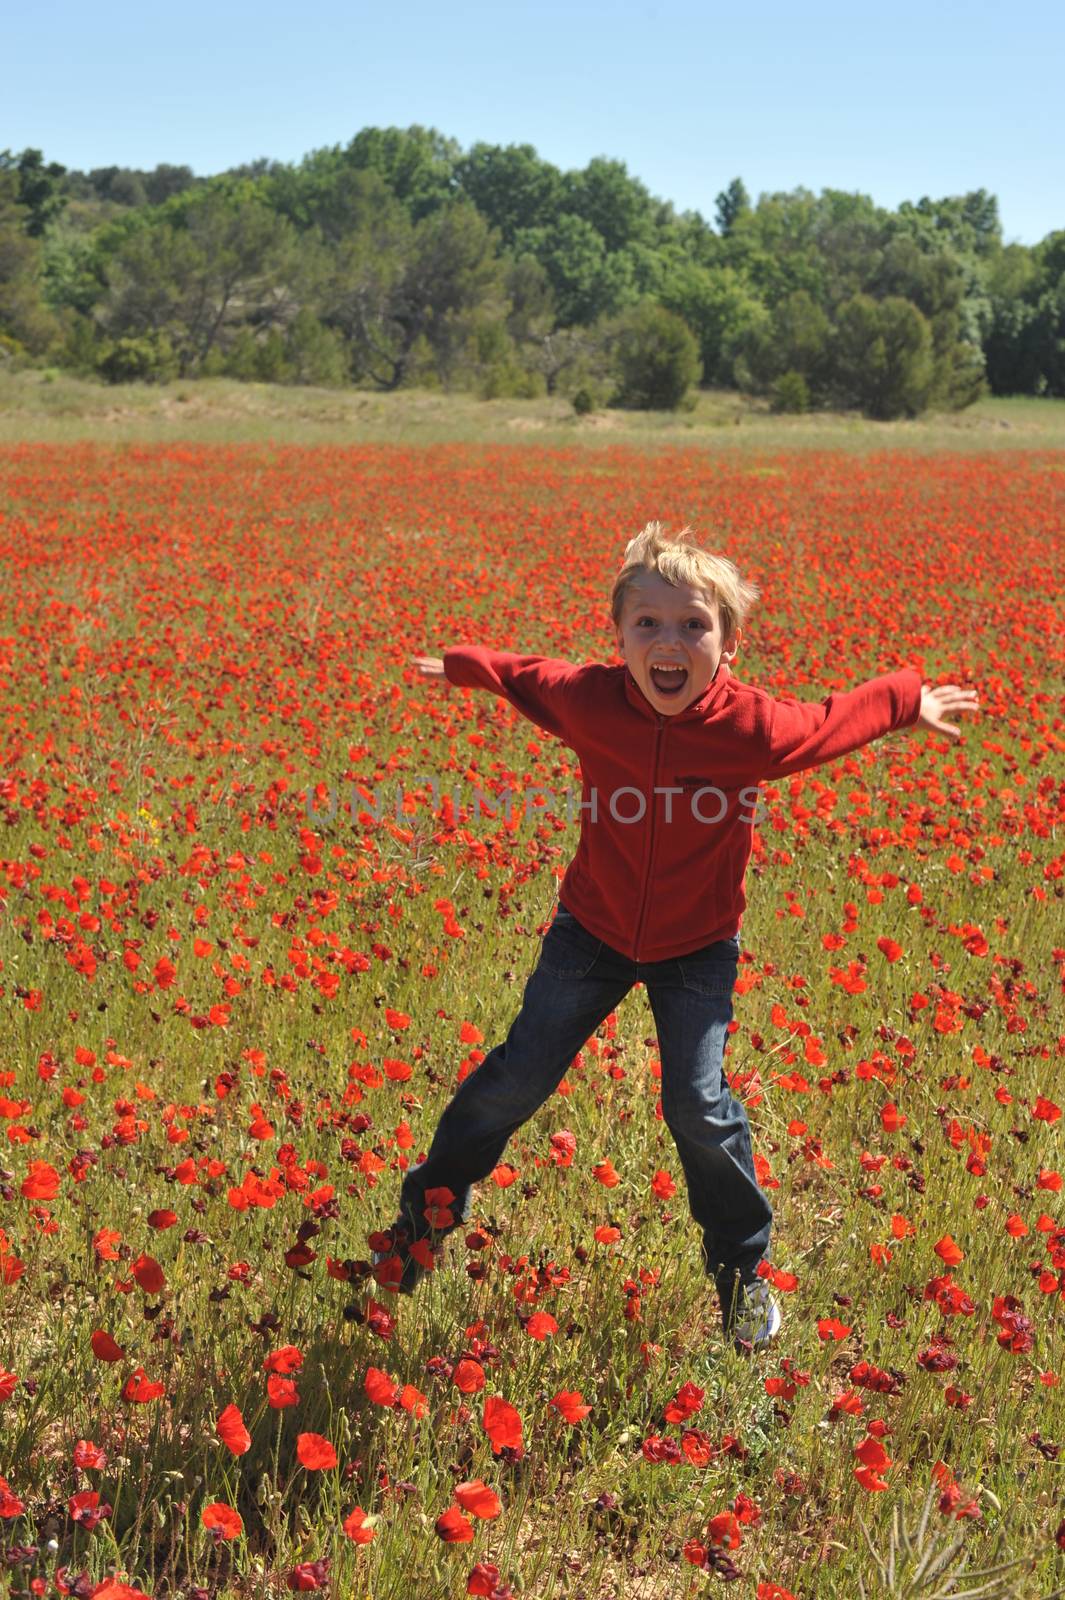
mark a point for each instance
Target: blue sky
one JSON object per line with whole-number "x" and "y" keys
{"x": 895, "y": 101}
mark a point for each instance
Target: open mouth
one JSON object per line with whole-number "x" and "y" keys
{"x": 669, "y": 680}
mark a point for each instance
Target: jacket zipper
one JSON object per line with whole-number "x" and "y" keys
{"x": 659, "y": 732}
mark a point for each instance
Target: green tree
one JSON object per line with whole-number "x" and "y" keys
{"x": 883, "y": 357}
{"x": 935, "y": 284}
{"x": 399, "y": 287}
{"x": 228, "y": 266}
{"x": 967, "y": 224}
{"x": 657, "y": 358}
{"x": 23, "y": 316}
{"x": 121, "y": 186}
{"x": 418, "y": 164}
{"x": 796, "y": 339}
{"x": 40, "y": 188}
{"x": 720, "y": 308}
{"x": 774, "y": 246}
{"x": 511, "y": 186}
{"x": 165, "y": 181}
{"x": 73, "y": 278}
{"x": 731, "y": 204}
{"x": 614, "y": 203}
{"x": 1025, "y": 345}
{"x": 587, "y": 282}
{"x": 328, "y": 195}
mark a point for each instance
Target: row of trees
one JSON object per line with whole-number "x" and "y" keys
{"x": 403, "y": 259}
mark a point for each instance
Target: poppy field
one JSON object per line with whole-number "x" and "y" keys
{"x": 258, "y": 920}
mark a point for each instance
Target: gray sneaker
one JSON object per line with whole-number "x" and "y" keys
{"x": 757, "y": 1318}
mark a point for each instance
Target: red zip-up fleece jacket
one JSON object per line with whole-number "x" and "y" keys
{"x": 672, "y": 880}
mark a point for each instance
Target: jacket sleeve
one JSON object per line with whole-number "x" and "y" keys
{"x": 538, "y": 686}
{"x": 804, "y": 733}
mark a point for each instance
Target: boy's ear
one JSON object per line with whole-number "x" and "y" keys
{"x": 731, "y": 649}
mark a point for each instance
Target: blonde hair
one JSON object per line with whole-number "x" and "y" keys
{"x": 681, "y": 559}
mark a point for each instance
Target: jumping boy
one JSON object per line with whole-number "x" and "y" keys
{"x": 672, "y": 748}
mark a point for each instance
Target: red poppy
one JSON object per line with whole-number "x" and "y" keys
{"x": 484, "y": 1578}
{"x": 222, "y": 1520}
{"x": 139, "y": 1388}
{"x": 358, "y": 1527}
{"x": 541, "y": 1325}
{"x": 231, "y": 1430}
{"x": 149, "y": 1274}
{"x": 688, "y": 1399}
{"x": 315, "y": 1452}
{"x": 478, "y": 1499}
{"x": 104, "y": 1347}
{"x": 115, "y": 1589}
{"x": 281, "y": 1392}
{"x": 287, "y": 1359}
{"x": 570, "y": 1404}
{"x": 380, "y": 1388}
{"x": 453, "y": 1527}
{"x": 42, "y": 1182}
{"x": 605, "y": 1174}
{"x": 86, "y": 1509}
{"x": 468, "y": 1376}
{"x": 502, "y": 1424}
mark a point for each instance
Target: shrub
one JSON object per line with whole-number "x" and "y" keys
{"x": 583, "y": 401}
{"x": 656, "y": 358}
{"x": 790, "y": 392}
{"x": 315, "y": 353}
{"x": 148, "y": 358}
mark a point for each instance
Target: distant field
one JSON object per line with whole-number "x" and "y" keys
{"x": 54, "y": 407}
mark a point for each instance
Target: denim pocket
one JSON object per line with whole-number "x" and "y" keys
{"x": 711, "y": 970}
{"x": 569, "y": 950}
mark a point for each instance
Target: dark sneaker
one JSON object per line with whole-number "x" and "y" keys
{"x": 397, "y": 1266}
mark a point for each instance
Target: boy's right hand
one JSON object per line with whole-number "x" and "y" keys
{"x": 429, "y": 666}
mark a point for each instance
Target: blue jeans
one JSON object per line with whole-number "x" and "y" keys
{"x": 577, "y": 982}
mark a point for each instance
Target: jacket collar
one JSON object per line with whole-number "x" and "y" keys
{"x": 710, "y": 701}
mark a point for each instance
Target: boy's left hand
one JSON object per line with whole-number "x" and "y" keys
{"x": 936, "y": 704}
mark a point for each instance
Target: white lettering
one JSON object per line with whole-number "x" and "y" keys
{"x": 669, "y": 793}
{"x": 537, "y": 800}
{"x": 709, "y": 789}
{"x": 321, "y": 791}
{"x": 434, "y": 788}
{"x": 362, "y": 802}
{"x": 574, "y": 811}
{"x": 756, "y": 803}
{"x": 484, "y": 805}
{"x": 641, "y": 797}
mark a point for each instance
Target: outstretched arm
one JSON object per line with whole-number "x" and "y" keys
{"x": 540, "y": 687}
{"x": 803, "y": 734}
{"x": 937, "y": 704}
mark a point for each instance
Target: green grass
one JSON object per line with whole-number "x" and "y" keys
{"x": 54, "y": 407}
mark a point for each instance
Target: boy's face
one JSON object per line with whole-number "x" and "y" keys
{"x": 666, "y": 626}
